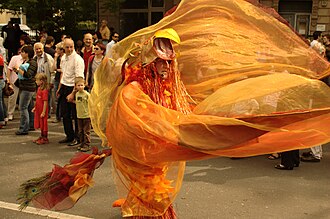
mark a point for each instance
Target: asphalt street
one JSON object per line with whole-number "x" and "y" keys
{"x": 214, "y": 188}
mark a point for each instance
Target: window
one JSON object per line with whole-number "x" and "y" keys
{"x": 135, "y": 15}
{"x": 297, "y": 13}
{"x": 157, "y": 3}
{"x": 131, "y": 22}
{"x": 135, "y": 4}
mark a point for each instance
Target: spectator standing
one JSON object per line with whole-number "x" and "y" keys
{"x": 45, "y": 65}
{"x": 315, "y": 155}
{"x": 114, "y": 40}
{"x": 15, "y": 61}
{"x": 326, "y": 43}
{"x": 27, "y": 87}
{"x": 25, "y": 40}
{"x": 3, "y": 50}
{"x": 18, "y": 34}
{"x": 316, "y": 44}
{"x": 93, "y": 63}
{"x": 50, "y": 41}
{"x": 79, "y": 46}
{"x": 97, "y": 37}
{"x": 105, "y": 32}
{"x": 42, "y": 37}
{"x": 72, "y": 66}
{"x": 3, "y": 74}
{"x": 58, "y": 74}
{"x": 2, "y": 85}
{"x": 84, "y": 121}
{"x": 87, "y": 50}
{"x": 10, "y": 41}
{"x": 289, "y": 160}
{"x": 41, "y": 109}
{"x": 45, "y": 61}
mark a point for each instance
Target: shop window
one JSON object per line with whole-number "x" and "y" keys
{"x": 131, "y": 22}
{"x": 298, "y": 14}
{"x": 135, "y": 15}
{"x": 135, "y": 4}
{"x": 295, "y": 6}
{"x": 157, "y": 3}
{"x": 156, "y": 16}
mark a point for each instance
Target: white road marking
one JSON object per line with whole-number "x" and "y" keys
{"x": 12, "y": 131}
{"x": 40, "y": 212}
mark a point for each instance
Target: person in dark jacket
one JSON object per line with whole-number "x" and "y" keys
{"x": 27, "y": 88}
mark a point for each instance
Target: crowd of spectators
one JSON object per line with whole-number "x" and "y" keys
{"x": 63, "y": 70}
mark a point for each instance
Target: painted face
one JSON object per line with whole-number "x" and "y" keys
{"x": 162, "y": 67}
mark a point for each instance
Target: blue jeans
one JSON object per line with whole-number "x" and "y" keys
{"x": 57, "y": 101}
{"x": 25, "y": 107}
{"x": 2, "y": 110}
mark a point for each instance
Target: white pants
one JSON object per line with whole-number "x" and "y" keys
{"x": 12, "y": 101}
{"x": 317, "y": 151}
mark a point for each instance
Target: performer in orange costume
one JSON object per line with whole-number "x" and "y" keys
{"x": 241, "y": 83}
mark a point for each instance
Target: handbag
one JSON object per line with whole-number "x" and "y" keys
{"x": 7, "y": 90}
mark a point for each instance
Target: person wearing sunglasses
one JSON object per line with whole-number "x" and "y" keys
{"x": 93, "y": 63}
{"x": 114, "y": 39}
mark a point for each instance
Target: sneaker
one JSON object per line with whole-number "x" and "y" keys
{"x": 36, "y": 140}
{"x": 10, "y": 117}
{"x": 74, "y": 143}
{"x": 32, "y": 129}
{"x": 66, "y": 140}
{"x": 307, "y": 154}
{"x": 43, "y": 141}
{"x": 84, "y": 148}
{"x": 282, "y": 167}
{"x": 310, "y": 159}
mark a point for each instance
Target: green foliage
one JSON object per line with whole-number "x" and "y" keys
{"x": 53, "y": 15}
{"x": 87, "y": 25}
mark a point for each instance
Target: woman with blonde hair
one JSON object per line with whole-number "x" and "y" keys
{"x": 41, "y": 108}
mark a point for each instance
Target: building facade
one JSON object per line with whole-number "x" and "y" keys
{"x": 134, "y": 15}
{"x": 14, "y": 16}
{"x": 305, "y": 16}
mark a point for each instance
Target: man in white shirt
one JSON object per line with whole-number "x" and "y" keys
{"x": 316, "y": 153}
{"x": 316, "y": 43}
{"x": 114, "y": 39}
{"x": 16, "y": 60}
{"x": 72, "y": 66}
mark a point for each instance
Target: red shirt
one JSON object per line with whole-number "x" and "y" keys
{"x": 86, "y": 56}
{"x": 1, "y": 66}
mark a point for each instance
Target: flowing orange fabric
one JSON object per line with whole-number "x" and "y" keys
{"x": 249, "y": 80}
{"x": 61, "y": 188}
